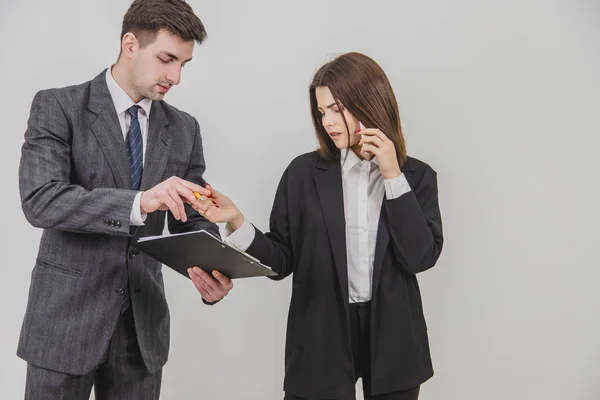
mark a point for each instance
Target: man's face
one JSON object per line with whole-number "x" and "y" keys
{"x": 157, "y": 66}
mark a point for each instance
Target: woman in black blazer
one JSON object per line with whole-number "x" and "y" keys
{"x": 354, "y": 221}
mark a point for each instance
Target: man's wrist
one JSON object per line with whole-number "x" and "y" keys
{"x": 142, "y": 203}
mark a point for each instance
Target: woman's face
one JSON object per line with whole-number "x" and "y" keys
{"x": 332, "y": 121}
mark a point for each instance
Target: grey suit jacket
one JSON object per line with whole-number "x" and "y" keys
{"x": 74, "y": 183}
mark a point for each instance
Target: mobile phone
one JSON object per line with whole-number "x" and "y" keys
{"x": 361, "y": 136}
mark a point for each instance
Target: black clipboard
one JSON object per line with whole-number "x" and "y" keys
{"x": 200, "y": 248}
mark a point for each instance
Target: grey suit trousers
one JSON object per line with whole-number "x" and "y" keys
{"x": 122, "y": 375}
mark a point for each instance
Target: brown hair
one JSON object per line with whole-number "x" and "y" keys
{"x": 360, "y": 85}
{"x": 145, "y": 18}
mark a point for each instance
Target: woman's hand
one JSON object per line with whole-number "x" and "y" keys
{"x": 375, "y": 142}
{"x": 219, "y": 208}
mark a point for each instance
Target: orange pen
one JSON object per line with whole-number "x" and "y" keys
{"x": 199, "y": 196}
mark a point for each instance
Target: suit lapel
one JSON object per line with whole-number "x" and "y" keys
{"x": 381, "y": 244}
{"x": 383, "y": 232}
{"x": 328, "y": 180}
{"x": 157, "y": 147}
{"x": 107, "y": 130}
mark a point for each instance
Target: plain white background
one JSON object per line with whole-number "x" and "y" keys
{"x": 501, "y": 98}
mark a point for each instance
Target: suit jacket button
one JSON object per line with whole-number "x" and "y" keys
{"x": 112, "y": 223}
{"x": 133, "y": 253}
{"x": 118, "y": 224}
{"x": 120, "y": 291}
{"x": 106, "y": 222}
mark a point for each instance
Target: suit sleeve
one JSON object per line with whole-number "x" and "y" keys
{"x": 194, "y": 174}
{"x": 274, "y": 248}
{"x": 48, "y": 198}
{"x": 415, "y": 226}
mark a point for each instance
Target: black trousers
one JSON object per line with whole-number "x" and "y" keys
{"x": 121, "y": 376}
{"x": 360, "y": 314}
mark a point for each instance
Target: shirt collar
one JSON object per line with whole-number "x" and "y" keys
{"x": 121, "y": 100}
{"x": 352, "y": 160}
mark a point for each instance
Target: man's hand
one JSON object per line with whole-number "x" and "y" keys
{"x": 171, "y": 194}
{"x": 211, "y": 288}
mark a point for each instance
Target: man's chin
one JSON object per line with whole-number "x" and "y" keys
{"x": 155, "y": 96}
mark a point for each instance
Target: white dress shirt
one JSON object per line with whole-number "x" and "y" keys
{"x": 122, "y": 103}
{"x": 363, "y": 191}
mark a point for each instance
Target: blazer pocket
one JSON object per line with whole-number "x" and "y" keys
{"x": 58, "y": 268}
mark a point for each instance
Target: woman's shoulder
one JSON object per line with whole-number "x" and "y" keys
{"x": 303, "y": 161}
{"x": 419, "y": 174}
{"x": 420, "y": 167}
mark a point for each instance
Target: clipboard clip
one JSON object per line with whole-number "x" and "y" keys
{"x": 233, "y": 246}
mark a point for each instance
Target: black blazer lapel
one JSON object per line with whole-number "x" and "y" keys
{"x": 328, "y": 180}
{"x": 383, "y": 238}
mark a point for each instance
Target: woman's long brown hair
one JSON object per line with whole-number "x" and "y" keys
{"x": 360, "y": 85}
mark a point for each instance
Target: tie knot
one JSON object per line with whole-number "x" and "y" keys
{"x": 133, "y": 111}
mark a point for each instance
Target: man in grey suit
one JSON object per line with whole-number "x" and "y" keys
{"x": 102, "y": 163}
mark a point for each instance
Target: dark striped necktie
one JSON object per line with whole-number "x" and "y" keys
{"x": 135, "y": 148}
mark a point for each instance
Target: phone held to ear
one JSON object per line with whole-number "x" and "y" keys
{"x": 361, "y": 137}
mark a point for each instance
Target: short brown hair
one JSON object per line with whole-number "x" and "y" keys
{"x": 145, "y": 18}
{"x": 360, "y": 85}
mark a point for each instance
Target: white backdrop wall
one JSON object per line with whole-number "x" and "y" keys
{"x": 501, "y": 98}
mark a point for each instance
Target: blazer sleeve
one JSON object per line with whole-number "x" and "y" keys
{"x": 274, "y": 248}
{"x": 48, "y": 198}
{"x": 415, "y": 225}
{"x": 196, "y": 168}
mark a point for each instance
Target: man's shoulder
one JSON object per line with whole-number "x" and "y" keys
{"x": 175, "y": 114}
{"x": 76, "y": 89}
{"x": 73, "y": 94}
